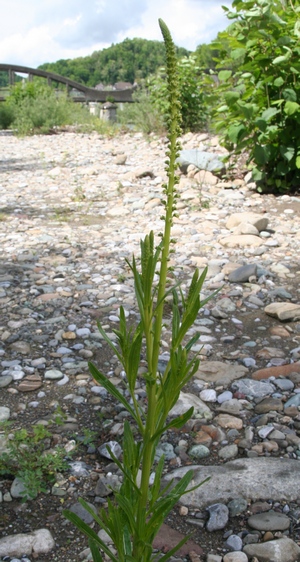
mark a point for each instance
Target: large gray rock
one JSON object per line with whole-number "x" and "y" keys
{"x": 254, "y": 479}
{"x": 236, "y": 240}
{"x": 259, "y": 221}
{"x": 186, "y": 401}
{"x": 37, "y": 542}
{"x": 201, "y": 159}
{"x": 242, "y": 274}
{"x": 269, "y": 521}
{"x": 221, "y": 373}
{"x": 280, "y": 550}
{"x": 253, "y": 388}
{"x": 284, "y": 311}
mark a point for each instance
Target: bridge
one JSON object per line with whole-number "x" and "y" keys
{"x": 87, "y": 94}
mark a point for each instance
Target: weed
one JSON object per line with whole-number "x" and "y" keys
{"x": 27, "y": 458}
{"x": 79, "y": 194}
{"x": 135, "y": 514}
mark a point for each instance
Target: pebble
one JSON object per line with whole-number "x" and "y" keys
{"x": 218, "y": 517}
{"x": 245, "y": 393}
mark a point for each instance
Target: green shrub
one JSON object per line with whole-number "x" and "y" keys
{"x": 34, "y": 107}
{"x": 193, "y": 94}
{"x": 28, "y": 458}
{"x": 143, "y": 114}
{"x": 260, "y": 111}
{"x": 6, "y": 115}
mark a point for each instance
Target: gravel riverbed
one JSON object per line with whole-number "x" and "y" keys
{"x": 73, "y": 207}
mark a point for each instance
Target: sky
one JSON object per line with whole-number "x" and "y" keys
{"x": 37, "y": 31}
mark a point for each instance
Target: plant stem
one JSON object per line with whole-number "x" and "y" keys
{"x": 153, "y": 327}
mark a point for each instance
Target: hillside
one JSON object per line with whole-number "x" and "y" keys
{"x": 128, "y": 61}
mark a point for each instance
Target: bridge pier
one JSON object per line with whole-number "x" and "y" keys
{"x": 11, "y": 77}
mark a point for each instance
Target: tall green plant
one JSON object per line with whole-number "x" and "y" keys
{"x": 193, "y": 91}
{"x": 260, "y": 112}
{"x": 136, "y": 513}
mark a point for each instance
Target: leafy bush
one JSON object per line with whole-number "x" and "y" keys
{"x": 34, "y": 107}
{"x": 260, "y": 112}
{"x": 6, "y": 115}
{"x": 28, "y": 459}
{"x": 143, "y": 115}
{"x": 192, "y": 94}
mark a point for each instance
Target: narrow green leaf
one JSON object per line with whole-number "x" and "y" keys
{"x": 110, "y": 342}
{"x": 104, "y": 381}
{"x": 95, "y": 551}
{"x": 176, "y": 422}
{"x": 84, "y": 528}
{"x": 298, "y": 162}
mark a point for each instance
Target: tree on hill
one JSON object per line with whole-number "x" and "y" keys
{"x": 129, "y": 61}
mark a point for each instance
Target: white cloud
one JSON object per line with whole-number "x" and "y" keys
{"x": 38, "y": 31}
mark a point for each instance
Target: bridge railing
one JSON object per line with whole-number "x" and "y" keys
{"x": 88, "y": 94}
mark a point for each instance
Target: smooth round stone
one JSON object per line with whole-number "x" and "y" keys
{"x": 208, "y": 395}
{"x": 99, "y": 390}
{"x": 199, "y": 452}
{"x": 218, "y": 517}
{"x": 79, "y": 400}
{"x": 17, "y": 375}
{"x": 293, "y": 401}
{"x": 5, "y": 380}
{"x": 249, "y": 362}
{"x": 63, "y": 350}
{"x": 63, "y": 381}
{"x": 237, "y": 506}
{"x": 83, "y": 332}
{"x": 165, "y": 449}
{"x": 4, "y": 413}
{"x": 224, "y": 396}
{"x": 235, "y": 557}
{"x": 30, "y": 383}
{"x": 53, "y": 375}
{"x": 228, "y": 452}
{"x": 79, "y": 510}
{"x": 269, "y": 521}
{"x": 17, "y": 488}
{"x": 284, "y": 384}
{"x": 234, "y": 542}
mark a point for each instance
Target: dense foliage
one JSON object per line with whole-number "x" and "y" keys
{"x": 193, "y": 88}
{"x": 129, "y": 61}
{"x": 260, "y": 111}
{"x": 34, "y": 107}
